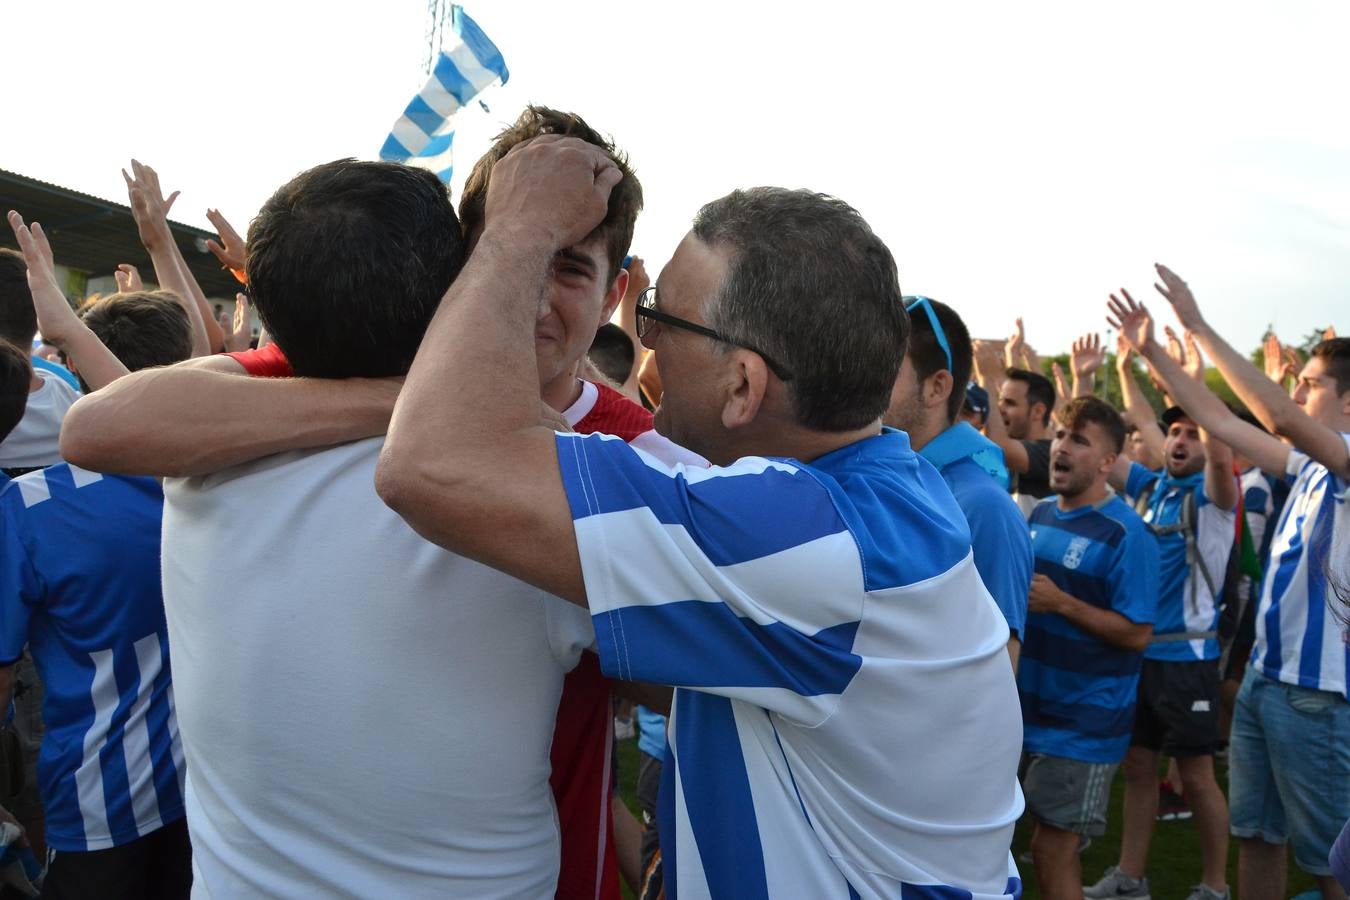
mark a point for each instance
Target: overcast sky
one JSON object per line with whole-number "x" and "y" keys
{"x": 1017, "y": 158}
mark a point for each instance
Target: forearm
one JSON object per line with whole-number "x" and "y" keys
{"x": 1104, "y": 624}
{"x": 190, "y": 421}
{"x": 1220, "y": 483}
{"x": 1266, "y": 399}
{"x": 1140, "y": 414}
{"x": 173, "y": 274}
{"x": 95, "y": 362}
{"x": 1014, "y": 454}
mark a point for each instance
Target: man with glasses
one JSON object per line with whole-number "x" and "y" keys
{"x": 925, "y": 403}
{"x": 846, "y": 722}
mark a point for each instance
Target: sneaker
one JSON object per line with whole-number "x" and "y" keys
{"x": 1171, "y": 805}
{"x": 1205, "y": 892}
{"x": 1116, "y": 883}
{"x": 624, "y": 729}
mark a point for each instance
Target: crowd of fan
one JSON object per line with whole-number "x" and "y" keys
{"x": 410, "y": 545}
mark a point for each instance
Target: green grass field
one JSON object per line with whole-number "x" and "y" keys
{"x": 1174, "y": 857}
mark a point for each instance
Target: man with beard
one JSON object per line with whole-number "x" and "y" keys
{"x": 1189, "y": 506}
{"x": 1090, "y": 615}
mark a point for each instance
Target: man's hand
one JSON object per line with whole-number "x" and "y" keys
{"x": 1086, "y": 356}
{"x": 148, "y": 206}
{"x": 638, "y": 281}
{"x": 56, "y": 320}
{"x": 1131, "y": 319}
{"x": 1124, "y": 354}
{"x": 1181, "y": 298}
{"x": 1061, "y": 388}
{"x": 1012, "y": 348}
{"x": 230, "y": 251}
{"x": 989, "y": 365}
{"x": 237, "y": 328}
{"x": 554, "y": 187}
{"x": 1045, "y": 595}
{"x": 128, "y": 278}
{"x": 1185, "y": 353}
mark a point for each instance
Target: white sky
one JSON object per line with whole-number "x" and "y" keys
{"x": 1017, "y": 158}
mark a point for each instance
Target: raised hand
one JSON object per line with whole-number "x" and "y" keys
{"x": 230, "y": 251}
{"x": 555, "y": 188}
{"x": 238, "y": 329}
{"x": 149, "y": 207}
{"x": 1195, "y": 362}
{"x": 1124, "y": 353}
{"x": 54, "y": 314}
{"x": 128, "y": 278}
{"x": 989, "y": 364}
{"x": 1179, "y": 295}
{"x": 1131, "y": 319}
{"x": 1086, "y": 356}
{"x": 1061, "y": 387}
{"x": 1013, "y": 348}
{"x": 1329, "y": 333}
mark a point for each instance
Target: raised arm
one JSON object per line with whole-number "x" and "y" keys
{"x": 56, "y": 320}
{"x": 193, "y": 419}
{"x": 230, "y": 249}
{"x": 1085, "y": 357}
{"x": 150, "y": 210}
{"x": 1208, "y": 411}
{"x": 989, "y": 371}
{"x": 1138, "y": 411}
{"x": 1267, "y": 401}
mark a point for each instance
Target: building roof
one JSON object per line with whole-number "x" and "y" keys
{"x": 93, "y": 235}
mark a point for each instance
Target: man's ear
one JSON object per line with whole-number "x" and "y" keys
{"x": 746, "y": 381}
{"x": 937, "y": 388}
{"x": 613, "y": 296}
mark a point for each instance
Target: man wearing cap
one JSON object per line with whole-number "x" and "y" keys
{"x": 1189, "y": 506}
{"x": 925, "y": 403}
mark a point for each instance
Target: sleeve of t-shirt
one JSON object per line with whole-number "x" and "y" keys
{"x": 741, "y": 581}
{"x": 1138, "y": 479}
{"x": 20, "y": 586}
{"x": 1134, "y": 576}
{"x": 1038, "y": 459}
{"x": 1003, "y": 557}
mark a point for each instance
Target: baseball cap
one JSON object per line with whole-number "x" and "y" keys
{"x": 977, "y": 399}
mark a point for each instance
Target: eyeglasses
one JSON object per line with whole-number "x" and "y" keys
{"x": 913, "y": 303}
{"x": 647, "y": 314}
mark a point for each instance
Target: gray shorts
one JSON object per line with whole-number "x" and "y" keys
{"x": 1068, "y": 794}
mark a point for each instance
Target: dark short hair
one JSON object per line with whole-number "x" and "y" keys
{"x": 613, "y": 353}
{"x": 1082, "y": 410}
{"x": 625, "y": 201}
{"x": 16, "y": 372}
{"x": 1039, "y": 390}
{"x": 809, "y": 284}
{"x": 927, "y": 358}
{"x": 1335, "y": 356}
{"x": 347, "y": 263}
{"x": 18, "y": 319}
{"x": 141, "y": 328}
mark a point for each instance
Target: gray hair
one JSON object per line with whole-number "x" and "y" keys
{"x": 810, "y": 285}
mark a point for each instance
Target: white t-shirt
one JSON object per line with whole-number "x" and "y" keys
{"x": 363, "y": 713}
{"x": 34, "y": 441}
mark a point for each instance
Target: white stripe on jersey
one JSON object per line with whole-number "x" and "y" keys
{"x": 136, "y": 740}
{"x": 34, "y": 489}
{"x": 89, "y": 776}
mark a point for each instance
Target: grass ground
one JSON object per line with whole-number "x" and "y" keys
{"x": 1174, "y": 857}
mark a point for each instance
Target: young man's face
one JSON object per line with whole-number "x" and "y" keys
{"x": 1182, "y": 451}
{"x": 1012, "y": 405}
{"x": 1315, "y": 391}
{"x": 1078, "y": 458}
{"x": 581, "y": 297}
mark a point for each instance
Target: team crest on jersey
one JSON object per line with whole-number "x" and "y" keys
{"x": 1073, "y": 556}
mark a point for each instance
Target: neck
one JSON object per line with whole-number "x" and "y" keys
{"x": 796, "y": 443}
{"x": 1036, "y": 431}
{"x": 1093, "y": 495}
{"x": 925, "y": 431}
{"x": 562, "y": 391}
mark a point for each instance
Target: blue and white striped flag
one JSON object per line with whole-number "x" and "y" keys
{"x": 424, "y": 133}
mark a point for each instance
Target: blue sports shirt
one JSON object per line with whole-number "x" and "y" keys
{"x": 1078, "y": 691}
{"x": 80, "y": 584}
{"x": 845, "y": 720}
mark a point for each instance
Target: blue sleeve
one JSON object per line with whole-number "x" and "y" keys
{"x": 723, "y": 580}
{"x": 20, "y": 587}
{"x": 1003, "y": 556}
{"x": 1138, "y": 479}
{"x": 1135, "y": 576}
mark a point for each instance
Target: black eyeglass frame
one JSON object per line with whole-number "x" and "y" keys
{"x": 647, "y": 312}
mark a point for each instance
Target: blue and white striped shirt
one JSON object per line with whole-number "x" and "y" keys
{"x": 79, "y": 582}
{"x": 845, "y": 720}
{"x": 1299, "y": 638}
